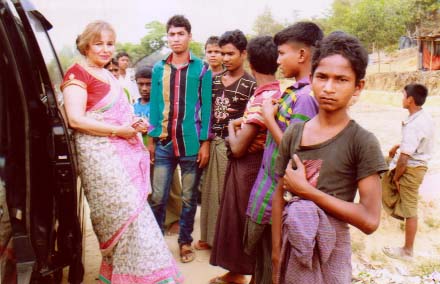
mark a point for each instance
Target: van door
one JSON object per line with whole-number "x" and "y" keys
{"x": 43, "y": 199}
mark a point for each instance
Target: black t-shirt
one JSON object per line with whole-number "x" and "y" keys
{"x": 336, "y": 165}
{"x": 229, "y": 103}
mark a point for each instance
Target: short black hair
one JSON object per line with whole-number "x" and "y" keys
{"x": 179, "y": 21}
{"x": 262, "y": 54}
{"x": 348, "y": 46}
{"x": 143, "y": 72}
{"x": 122, "y": 54}
{"x": 307, "y": 33}
{"x": 212, "y": 40}
{"x": 418, "y": 91}
{"x": 112, "y": 61}
{"x": 236, "y": 38}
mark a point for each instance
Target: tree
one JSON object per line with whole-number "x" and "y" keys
{"x": 339, "y": 17}
{"x": 420, "y": 12}
{"x": 153, "y": 41}
{"x": 377, "y": 23}
{"x": 68, "y": 56}
{"x": 135, "y": 51}
{"x": 155, "y": 38}
{"x": 265, "y": 24}
{"x": 197, "y": 48}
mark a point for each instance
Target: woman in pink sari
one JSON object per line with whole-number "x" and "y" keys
{"x": 114, "y": 167}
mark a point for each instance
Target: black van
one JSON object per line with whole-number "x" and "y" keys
{"x": 41, "y": 210}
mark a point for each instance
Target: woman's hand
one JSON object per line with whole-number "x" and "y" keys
{"x": 140, "y": 124}
{"x": 125, "y": 131}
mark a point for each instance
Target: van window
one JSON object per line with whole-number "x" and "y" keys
{"x": 55, "y": 72}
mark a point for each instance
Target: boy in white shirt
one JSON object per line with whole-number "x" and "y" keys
{"x": 407, "y": 168}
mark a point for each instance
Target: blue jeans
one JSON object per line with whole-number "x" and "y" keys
{"x": 164, "y": 166}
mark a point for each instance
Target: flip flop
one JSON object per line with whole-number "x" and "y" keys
{"x": 187, "y": 253}
{"x": 396, "y": 253}
{"x": 201, "y": 245}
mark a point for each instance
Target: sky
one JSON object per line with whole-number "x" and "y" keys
{"x": 207, "y": 17}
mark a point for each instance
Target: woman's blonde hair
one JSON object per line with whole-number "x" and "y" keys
{"x": 90, "y": 33}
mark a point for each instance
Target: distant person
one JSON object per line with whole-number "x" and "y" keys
{"x": 213, "y": 54}
{"x": 295, "y": 45}
{"x": 324, "y": 162}
{"x": 180, "y": 117}
{"x": 126, "y": 78}
{"x": 142, "y": 109}
{"x": 114, "y": 167}
{"x": 142, "y": 105}
{"x": 231, "y": 93}
{"x": 408, "y": 167}
{"x": 113, "y": 67}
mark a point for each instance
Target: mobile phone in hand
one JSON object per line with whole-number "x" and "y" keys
{"x": 136, "y": 123}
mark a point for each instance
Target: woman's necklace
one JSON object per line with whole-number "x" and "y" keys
{"x": 97, "y": 71}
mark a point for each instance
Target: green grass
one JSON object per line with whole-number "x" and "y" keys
{"x": 379, "y": 257}
{"x": 426, "y": 267}
{"x": 431, "y": 222}
{"x": 358, "y": 246}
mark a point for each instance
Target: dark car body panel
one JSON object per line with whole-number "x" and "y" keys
{"x": 38, "y": 177}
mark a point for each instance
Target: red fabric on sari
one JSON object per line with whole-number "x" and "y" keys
{"x": 96, "y": 87}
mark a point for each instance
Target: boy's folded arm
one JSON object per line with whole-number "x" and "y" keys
{"x": 364, "y": 215}
{"x": 240, "y": 142}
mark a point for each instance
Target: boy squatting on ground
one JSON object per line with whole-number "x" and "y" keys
{"x": 323, "y": 162}
{"x": 407, "y": 169}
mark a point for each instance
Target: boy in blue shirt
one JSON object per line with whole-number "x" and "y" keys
{"x": 142, "y": 105}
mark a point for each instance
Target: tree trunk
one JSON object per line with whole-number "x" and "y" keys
{"x": 378, "y": 58}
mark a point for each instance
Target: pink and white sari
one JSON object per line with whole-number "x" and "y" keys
{"x": 116, "y": 178}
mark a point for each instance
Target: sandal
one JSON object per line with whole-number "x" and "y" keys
{"x": 224, "y": 280}
{"x": 396, "y": 252}
{"x": 202, "y": 245}
{"x": 187, "y": 253}
{"x": 219, "y": 280}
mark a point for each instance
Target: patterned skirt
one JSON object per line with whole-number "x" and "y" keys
{"x": 212, "y": 189}
{"x": 228, "y": 249}
{"x": 115, "y": 176}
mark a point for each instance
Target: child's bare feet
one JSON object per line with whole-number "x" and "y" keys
{"x": 397, "y": 253}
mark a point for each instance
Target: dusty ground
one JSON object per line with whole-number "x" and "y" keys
{"x": 383, "y": 119}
